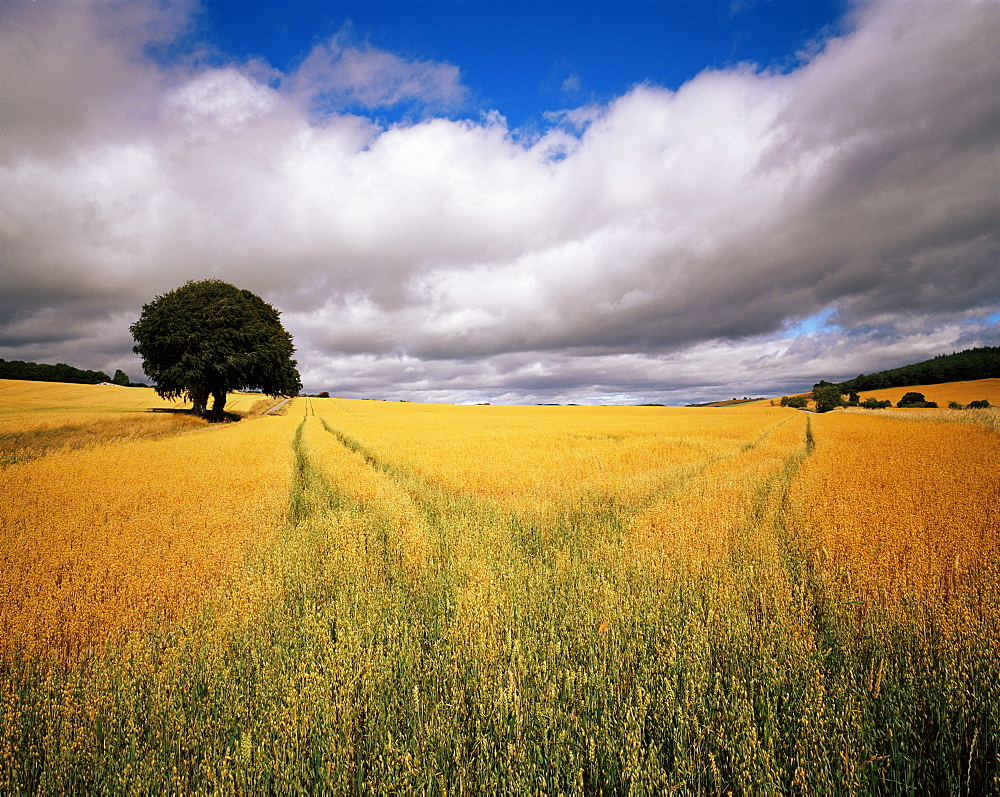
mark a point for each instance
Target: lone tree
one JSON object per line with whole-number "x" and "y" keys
{"x": 208, "y": 338}
{"x": 827, "y": 396}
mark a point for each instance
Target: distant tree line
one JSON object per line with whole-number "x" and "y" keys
{"x": 40, "y": 372}
{"x": 963, "y": 366}
{"x": 60, "y": 372}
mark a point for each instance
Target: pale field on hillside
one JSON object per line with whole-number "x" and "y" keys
{"x": 20, "y": 400}
{"x": 375, "y": 597}
{"x": 37, "y": 418}
{"x": 962, "y": 392}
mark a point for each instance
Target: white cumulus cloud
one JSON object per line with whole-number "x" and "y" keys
{"x": 339, "y": 72}
{"x": 659, "y": 246}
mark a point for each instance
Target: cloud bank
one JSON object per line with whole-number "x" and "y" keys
{"x": 751, "y": 232}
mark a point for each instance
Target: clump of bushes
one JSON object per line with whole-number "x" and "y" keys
{"x": 872, "y": 403}
{"x": 913, "y": 399}
{"x": 827, "y": 396}
{"x": 975, "y": 405}
{"x": 796, "y": 402}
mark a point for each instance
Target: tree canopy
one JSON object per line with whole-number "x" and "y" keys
{"x": 796, "y": 402}
{"x": 209, "y": 338}
{"x": 981, "y": 363}
{"x": 43, "y": 372}
{"x": 827, "y": 397}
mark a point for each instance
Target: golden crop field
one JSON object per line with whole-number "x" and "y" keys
{"x": 39, "y": 417}
{"x": 374, "y": 597}
{"x": 20, "y": 399}
{"x": 961, "y": 392}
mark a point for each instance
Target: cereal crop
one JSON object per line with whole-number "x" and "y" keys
{"x": 37, "y": 418}
{"x": 377, "y": 597}
{"x": 943, "y": 394}
{"x": 97, "y": 540}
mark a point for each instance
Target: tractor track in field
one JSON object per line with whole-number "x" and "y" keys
{"x": 437, "y": 503}
{"x": 281, "y": 404}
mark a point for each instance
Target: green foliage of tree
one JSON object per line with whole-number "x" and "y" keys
{"x": 979, "y": 405}
{"x": 209, "y": 338}
{"x": 963, "y": 366}
{"x": 914, "y": 399}
{"x": 827, "y": 397}
{"x": 796, "y": 402}
{"x": 120, "y": 378}
{"x": 872, "y": 403}
{"x": 42, "y": 372}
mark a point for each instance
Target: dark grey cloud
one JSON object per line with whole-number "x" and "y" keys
{"x": 661, "y": 245}
{"x": 760, "y": 366}
{"x": 75, "y": 71}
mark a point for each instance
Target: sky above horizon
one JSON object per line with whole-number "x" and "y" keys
{"x": 517, "y": 202}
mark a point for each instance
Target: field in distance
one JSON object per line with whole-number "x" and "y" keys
{"x": 37, "y": 418}
{"x": 960, "y": 392}
{"x": 380, "y": 597}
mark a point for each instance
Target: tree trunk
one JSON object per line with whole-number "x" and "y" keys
{"x": 199, "y": 398}
{"x": 218, "y": 404}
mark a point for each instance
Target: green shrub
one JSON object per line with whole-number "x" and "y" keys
{"x": 827, "y": 397}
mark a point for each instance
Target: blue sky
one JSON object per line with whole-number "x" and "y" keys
{"x": 615, "y": 202}
{"x": 525, "y": 58}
